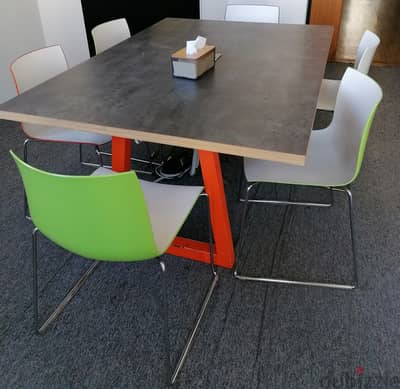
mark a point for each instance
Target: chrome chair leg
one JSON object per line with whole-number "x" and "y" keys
{"x": 203, "y": 308}
{"x": 353, "y": 245}
{"x": 349, "y": 196}
{"x": 99, "y": 154}
{"x": 26, "y": 142}
{"x": 288, "y": 202}
{"x": 167, "y": 344}
{"x": 41, "y": 328}
{"x": 148, "y": 161}
{"x": 353, "y": 285}
{"x": 189, "y": 342}
{"x": 26, "y": 208}
{"x": 195, "y": 163}
{"x": 244, "y": 212}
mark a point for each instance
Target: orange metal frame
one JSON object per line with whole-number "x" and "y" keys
{"x": 214, "y": 186}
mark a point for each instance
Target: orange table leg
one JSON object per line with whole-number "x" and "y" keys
{"x": 121, "y": 154}
{"x": 214, "y": 186}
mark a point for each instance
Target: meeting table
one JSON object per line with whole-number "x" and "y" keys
{"x": 259, "y": 101}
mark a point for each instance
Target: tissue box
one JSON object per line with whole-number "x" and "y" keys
{"x": 193, "y": 66}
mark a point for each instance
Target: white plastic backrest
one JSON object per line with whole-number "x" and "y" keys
{"x": 38, "y": 66}
{"x": 357, "y": 99}
{"x": 109, "y": 34}
{"x": 252, "y": 13}
{"x": 366, "y": 51}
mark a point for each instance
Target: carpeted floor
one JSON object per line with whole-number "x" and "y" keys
{"x": 254, "y": 335}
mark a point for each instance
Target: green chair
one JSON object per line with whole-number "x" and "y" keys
{"x": 142, "y": 220}
{"x": 333, "y": 161}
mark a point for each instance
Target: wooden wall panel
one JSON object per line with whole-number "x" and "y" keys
{"x": 328, "y": 12}
{"x": 379, "y": 16}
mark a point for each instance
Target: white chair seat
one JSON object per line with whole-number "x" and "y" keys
{"x": 327, "y": 94}
{"x": 54, "y": 134}
{"x": 168, "y": 207}
{"x": 324, "y": 166}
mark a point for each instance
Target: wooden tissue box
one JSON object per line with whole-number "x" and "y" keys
{"x": 193, "y": 66}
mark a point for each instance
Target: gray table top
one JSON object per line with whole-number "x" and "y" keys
{"x": 259, "y": 100}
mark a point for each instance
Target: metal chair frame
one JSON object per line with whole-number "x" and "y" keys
{"x": 246, "y": 200}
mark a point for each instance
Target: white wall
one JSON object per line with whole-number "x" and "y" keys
{"x": 27, "y": 25}
{"x": 291, "y": 11}
{"x": 63, "y": 24}
{"x": 20, "y": 32}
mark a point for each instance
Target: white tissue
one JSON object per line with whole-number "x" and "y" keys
{"x": 192, "y": 47}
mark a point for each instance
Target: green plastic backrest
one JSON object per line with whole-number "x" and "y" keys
{"x": 364, "y": 140}
{"x": 357, "y": 102}
{"x": 97, "y": 217}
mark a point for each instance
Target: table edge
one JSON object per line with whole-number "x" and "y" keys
{"x": 154, "y": 137}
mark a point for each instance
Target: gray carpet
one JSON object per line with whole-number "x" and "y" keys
{"x": 253, "y": 335}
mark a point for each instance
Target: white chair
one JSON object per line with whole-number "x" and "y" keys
{"x": 109, "y": 34}
{"x": 252, "y": 13}
{"x": 105, "y": 36}
{"x": 333, "y": 161}
{"x": 34, "y": 68}
{"x": 365, "y": 54}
